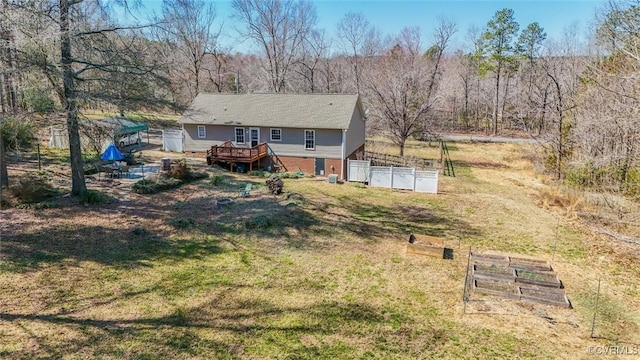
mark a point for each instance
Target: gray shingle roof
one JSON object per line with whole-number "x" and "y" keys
{"x": 321, "y": 111}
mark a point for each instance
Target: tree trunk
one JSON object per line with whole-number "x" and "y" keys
{"x": 4, "y": 176}
{"x": 496, "y": 102}
{"x": 401, "y": 143}
{"x": 78, "y": 185}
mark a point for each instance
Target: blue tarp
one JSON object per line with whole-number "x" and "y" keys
{"x": 111, "y": 154}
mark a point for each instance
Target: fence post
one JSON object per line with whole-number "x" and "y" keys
{"x": 414, "y": 179}
{"x": 595, "y": 311}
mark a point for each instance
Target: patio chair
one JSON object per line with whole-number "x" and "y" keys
{"x": 98, "y": 169}
{"x": 124, "y": 169}
{"x": 244, "y": 192}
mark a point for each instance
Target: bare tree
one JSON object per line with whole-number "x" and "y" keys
{"x": 402, "y": 87}
{"x": 607, "y": 128}
{"x": 279, "y": 28}
{"x": 359, "y": 39}
{"x": 314, "y": 50}
{"x": 91, "y": 49}
{"x": 8, "y": 73}
{"x": 221, "y": 72}
{"x": 188, "y": 27}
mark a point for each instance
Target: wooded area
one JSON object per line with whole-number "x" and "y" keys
{"x": 578, "y": 98}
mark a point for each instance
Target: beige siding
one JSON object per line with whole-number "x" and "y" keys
{"x": 355, "y": 133}
{"x": 215, "y": 135}
{"x": 328, "y": 142}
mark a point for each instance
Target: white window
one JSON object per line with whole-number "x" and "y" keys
{"x": 276, "y": 134}
{"x": 201, "y": 132}
{"x": 309, "y": 139}
{"x": 239, "y": 135}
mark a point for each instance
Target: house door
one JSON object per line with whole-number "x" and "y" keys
{"x": 319, "y": 166}
{"x": 254, "y": 136}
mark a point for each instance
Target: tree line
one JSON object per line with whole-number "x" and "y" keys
{"x": 577, "y": 98}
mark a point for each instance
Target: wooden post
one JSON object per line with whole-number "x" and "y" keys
{"x": 595, "y": 311}
{"x": 465, "y": 293}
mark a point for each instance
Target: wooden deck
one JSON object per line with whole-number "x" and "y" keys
{"x": 230, "y": 154}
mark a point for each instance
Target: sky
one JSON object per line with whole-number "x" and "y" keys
{"x": 391, "y": 16}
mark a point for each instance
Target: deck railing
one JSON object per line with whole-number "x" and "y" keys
{"x": 227, "y": 151}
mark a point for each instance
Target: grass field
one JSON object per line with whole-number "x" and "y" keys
{"x": 319, "y": 272}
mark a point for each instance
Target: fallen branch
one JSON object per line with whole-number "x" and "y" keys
{"x": 619, "y": 237}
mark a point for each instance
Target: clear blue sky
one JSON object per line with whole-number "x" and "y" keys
{"x": 391, "y": 16}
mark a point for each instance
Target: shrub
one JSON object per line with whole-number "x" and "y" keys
{"x": 217, "y": 180}
{"x": 4, "y": 202}
{"x": 179, "y": 170}
{"x": 182, "y": 223}
{"x": 139, "y": 231}
{"x": 259, "y": 173}
{"x": 39, "y": 102}
{"x": 197, "y": 175}
{"x": 34, "y": 189}
{"x": 90, "y": 169}
{"x": 95, "y": 197}
{"x": 165, "y": 183}
{"x": 257, "y": 222}
{"x": 16, "y": 133}
{"x": 291, "y": 175}
{"x": 632, "y": 186}
{"x": 152, "y": 187}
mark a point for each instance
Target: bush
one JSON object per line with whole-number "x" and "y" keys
{"x": 182, "y": 223}
{"x": 217, "y": 180}
{"x": 291, "y": 175}
{"x": 95, "y": 197}
{"x": 168, "y": 181}
{"x": 197, "y": 175}
{"x": 179, "y": 170}
{"x": 257, "y": 222}
{"x": 152, "y": 187}
{"x": 632, "y": 186}
{"x": 260, "y": 173}
{"x": 39, "y": 102}
{"x": 34, "y": 189}
{"x": 4, "y": 202}
{"x": 90, "y": 169}
{"x": 139, "y": 231}
{"x": 16, "y": 133}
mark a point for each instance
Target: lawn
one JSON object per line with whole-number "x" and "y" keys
{"x": 317, "y": 272}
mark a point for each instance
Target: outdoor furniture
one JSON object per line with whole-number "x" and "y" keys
{"x": 124, "y": 169}
{"x": 244, "y": 192}
{"x": 113, "y": 170}
{"x": 98, "y": 169}
{"x": 112, "y": 154}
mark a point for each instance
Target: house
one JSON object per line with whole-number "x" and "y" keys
{"x": 312, "y": 133}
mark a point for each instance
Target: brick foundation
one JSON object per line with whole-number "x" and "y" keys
{"x": 306, "y": 165}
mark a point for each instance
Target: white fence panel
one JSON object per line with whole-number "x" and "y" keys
{"x": 358, "y": 170}
{"x": 427, "y": 181}
{"x": 172, "y": 140}
{"x": 59, "y": 138}
{"x": 403, "y": 178}
{"x": 380, "y": 176}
